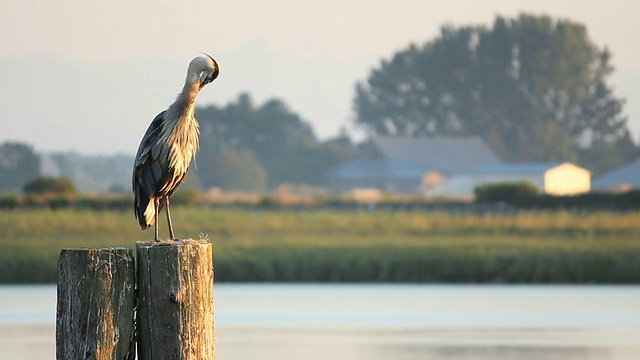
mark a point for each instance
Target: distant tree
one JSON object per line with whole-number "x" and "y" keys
{"x": 46, "y": 185}
{"x": 534, "y": 88}
{"x": 116, "y": 188}
{"x": 237, "y": 170}
{"x": 321, "y": 157}
{"x": 18, "y": 164}
{"x": 282, "y": 142}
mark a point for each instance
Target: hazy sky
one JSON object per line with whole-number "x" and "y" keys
{"x": 90, "y": 75}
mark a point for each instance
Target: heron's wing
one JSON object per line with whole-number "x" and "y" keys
{"x": 150, "y": 168}
{"x": 150, "y": 144}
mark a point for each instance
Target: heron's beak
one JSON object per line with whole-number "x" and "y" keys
{"x": 209, "y": 78}
{"x": 203, "y": 79}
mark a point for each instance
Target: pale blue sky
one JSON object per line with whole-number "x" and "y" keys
{"x": 90, "y": 75}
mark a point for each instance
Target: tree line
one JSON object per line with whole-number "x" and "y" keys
{"x": 256, "y": 147}
{"x": 243, "y": 147}
{"x": 533, "y": 87}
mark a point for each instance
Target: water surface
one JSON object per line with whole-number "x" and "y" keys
{"x": 403, "y": 322}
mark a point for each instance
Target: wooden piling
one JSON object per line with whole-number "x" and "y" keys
{"x": 175, "y": 300}
{"x": 95, "y": 304}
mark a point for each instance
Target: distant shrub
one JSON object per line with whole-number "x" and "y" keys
{"x": 46, "y": 185}
{"x": 590, "y": 201}
{"x": 507, "y": 192}
{"x": 269, "y": 201}
{"x": 9, "y": 201}
{"x": 337, "y": 201}
{"x": 59, "y": 201}
{"x": 186, "y": 196}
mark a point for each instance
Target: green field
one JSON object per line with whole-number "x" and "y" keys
{"x": 382, "y": 246}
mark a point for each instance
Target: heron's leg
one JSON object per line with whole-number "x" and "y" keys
{"x": 166, "y": 203}
{"x": 156, "y": 206}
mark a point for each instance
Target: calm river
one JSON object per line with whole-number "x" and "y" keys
{"x": 400, "y": 322}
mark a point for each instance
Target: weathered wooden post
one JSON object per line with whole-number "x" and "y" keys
{"x": 96, "y": 301}
{"x": 175, "y": 300}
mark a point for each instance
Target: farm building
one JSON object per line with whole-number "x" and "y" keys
{"x": 624, "y": 178}
{"x": 410, "y": 165}
{"x": 550, "y": 178}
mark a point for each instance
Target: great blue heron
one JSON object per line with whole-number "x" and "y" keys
{"x": 168, "y": 146}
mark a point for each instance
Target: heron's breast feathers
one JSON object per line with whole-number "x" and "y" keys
{"x": 183, "y": 144}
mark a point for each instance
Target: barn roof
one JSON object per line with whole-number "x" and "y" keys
{"x": 625, "y": 175}
{"x": 378, "y": 168}
{"x": 447, "y": 154}
{"x": 515, "y": 168}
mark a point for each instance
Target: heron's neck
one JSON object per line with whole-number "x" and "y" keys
{"x": 184, "y": 104}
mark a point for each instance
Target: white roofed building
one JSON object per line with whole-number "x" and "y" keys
{"x": 550, "y": 178}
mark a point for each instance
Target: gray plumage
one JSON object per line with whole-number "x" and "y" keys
{"x": 167, "y": 147}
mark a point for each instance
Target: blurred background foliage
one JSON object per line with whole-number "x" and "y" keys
{"x": 534, "y": 88}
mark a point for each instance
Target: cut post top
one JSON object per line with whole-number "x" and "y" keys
{"x": 95, "y": 250}
{"x": 175, "y": 242}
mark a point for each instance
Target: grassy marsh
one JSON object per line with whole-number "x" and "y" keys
{"x": 319, "y": 245}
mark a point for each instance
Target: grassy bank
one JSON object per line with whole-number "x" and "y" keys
{"x": 558, "y": 247}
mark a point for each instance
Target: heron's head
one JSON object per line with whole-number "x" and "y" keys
{"x": 202, "y": 70}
